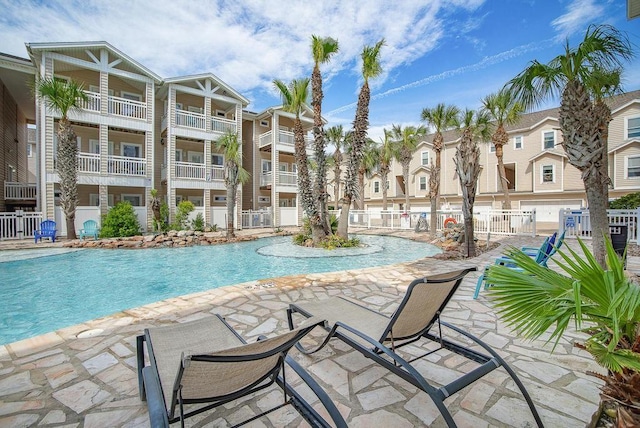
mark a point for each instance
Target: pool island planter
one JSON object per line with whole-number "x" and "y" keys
{"x": 183, "y": 238}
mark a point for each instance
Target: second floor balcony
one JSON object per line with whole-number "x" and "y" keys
{"x": 198, "y": 121}
{"x": 288, "y": 179}
{"x": 116, "y": 106}
{"x": 195, "y": 171}
{"x": 285, "y": 139}
{"x": 20, "y": 191}
{"x": 89, "y": 163}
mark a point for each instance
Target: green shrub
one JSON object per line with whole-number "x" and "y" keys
{"x": 627, "y": 202}
{"x": 120, "y": 221}
{"x": 182, "y": 215}
{"x": 164, "y": 217}
{"x": 334, "y": 241}
{"x": 198, "y": 223}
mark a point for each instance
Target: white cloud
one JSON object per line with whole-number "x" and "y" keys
{"x": 579, "y": 13}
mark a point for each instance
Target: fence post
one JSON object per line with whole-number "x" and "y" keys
{"x": 637, "y": 224}
{"x": 20, "y": 224}
{"x": 533, "y": 215}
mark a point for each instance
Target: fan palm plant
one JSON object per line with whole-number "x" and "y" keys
{"x": 407, "y": 140}
{"x": 442, "y": 118}
{"x": 64, "y": 97}
{"x": 371, "y": 68}
{"x": 602, "y": 302}
{"x": 234, "y": 173}
{"x": 322, "y": 49}
{"x": 336, "y": 136}
{"x": 503, "y": 110}
{"x": 467, "y": 161}
{"x": 582, "y": 76}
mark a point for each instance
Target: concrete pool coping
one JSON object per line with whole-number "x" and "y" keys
{"x": 85, "y": 375}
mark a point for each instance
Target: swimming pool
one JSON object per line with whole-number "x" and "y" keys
{"x": 47, "y": 293}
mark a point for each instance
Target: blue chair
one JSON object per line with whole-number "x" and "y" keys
{"x": 89, "y": 228}
{"x": 47, "y": 230}
{"x": 542, "y": 256}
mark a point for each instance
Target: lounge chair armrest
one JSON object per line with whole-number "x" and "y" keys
{"x": 155, "y": 401}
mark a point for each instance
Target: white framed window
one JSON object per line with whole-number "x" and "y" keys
{"x": 548, "y": 140}
{"x": 196, "y": 200}
{"x": 179, "y": 155}
{"x": 547, "y": 173}
{"x": 94, "y": 147}
{"x": 633, "y": 127}
{"x": 217, "y": 159}
{"x": 376, "y": 187}
{"x": 130, "y": 96}
{"x": 423, "y": 183}
{"x": 94, "y": 199}
{"x": 284, "y": 167}
{"x": 96, "y": 89}
{"x": 492, "y": 148}
{"x": 221, "y": 113}
{"x": 266, "y": 165}
{"x": 179, "y": 106}
{"x": 632, "y": 167}
{"x": 517, "y": 142}
{"x": 179, "y": 198}
{"x": 264, "y": 123}
{"x": 29, "y": 150}
{"x": 194, "y": 109}
{"x": 131, "y": 150}
{"x": 424, "y": 158}
{"x": 219, "y": 198}
{"x": 264, "y": 199}
{"x": 132, "y": 198}
{"x": 195, "y": 157}
{"x": 294, "y": 167}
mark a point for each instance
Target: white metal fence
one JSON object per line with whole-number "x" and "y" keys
{"x": 256, "y": 219}
{"x": 19, "y": 224}
{"x": 578, "y": 222}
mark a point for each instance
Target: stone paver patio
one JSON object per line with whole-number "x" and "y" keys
{"x": 85, "y": 375}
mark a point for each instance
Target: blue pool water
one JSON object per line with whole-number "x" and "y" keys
{"x": 43, "y": 294}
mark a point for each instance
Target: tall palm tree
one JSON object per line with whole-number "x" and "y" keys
{"x": 294, "y": 99}
{"x": 335, "y": 135}
{"x": 64, "y": 97}
{"x": 475, "y": 126}
{"x": 503, "y": 110}
{"x": 368, "y": 166}
{"x": 442, "y": 118}
{"x": 234, "y": 173}
{"x": 322, "y": 49}
{"x": 371, "y": 68}
{"x": 582, "y": 76}
{"x": 407, "y": 140}
{"x": 387, "y": 154}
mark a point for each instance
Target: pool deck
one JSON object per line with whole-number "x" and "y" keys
{"x": 85, "y": 375}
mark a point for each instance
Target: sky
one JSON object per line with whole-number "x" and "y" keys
{"x": 450, "y": 51}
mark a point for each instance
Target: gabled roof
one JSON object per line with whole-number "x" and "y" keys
{"x": 81, "y": 46}
{"x": 203, "y": 76}
{"x": 628, "y": 143}
{"x": 547, "y": 152}
{"x": 307, "y": 113}
{"x": 425, "y": 168}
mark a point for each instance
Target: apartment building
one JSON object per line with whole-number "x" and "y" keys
{"x": 538, "y": 172}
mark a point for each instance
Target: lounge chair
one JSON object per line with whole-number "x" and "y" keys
{"x": 47, "y": 230}
{"x": 378, "y": 336}
{"x": 206, "y": 362}
{"x": 89, "y": 228}
{"x": 541, "y": 256}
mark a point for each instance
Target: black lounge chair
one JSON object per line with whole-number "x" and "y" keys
{"x": 377, "y": 336}
{"x": 206, "y": 362}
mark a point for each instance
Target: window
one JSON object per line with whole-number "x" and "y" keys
{"x": 517, "y": 142}
{"x": 135, "y": 200}
{"x": 492, "y": 148}
{"x": 29, "y": 150}
{"x": 195, "y": 157}
{"x": 376, "y": 187}
{"x": 264, "y": 123}
{"x": 194, "y": 109}
{"x": 423, "y": 183}
{"x": 131, "y": 150}
{"x": 179, "y": 106}
{"x": 633, "y": 166}
{"x": 424, "y": 158}
{"x": 548, "y": 140}
{"x": 96, "y": 89}
{"x": 264, "y": 199}
{"x": 633, "y": 127}
{"x": 195, "y": 200}
{"x": 217, "y": 160}
{"x": 130, "y": 96}
{"x": 94, "y": 200}
{"x": 547, "y": 174}
{"x": 219, "y": 198}
{"x": 266, "y": 165}
{"x": 178, "y": 155}
{"x": 220, "y": 113}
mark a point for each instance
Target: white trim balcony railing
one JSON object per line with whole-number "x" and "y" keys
{"x": 128, "y": 108}
{"x": 93, "y": 101}
{"x": 222, "y": 125}
{"x": 20, "y": 191}
{"x": 89, "y": 163}
{"x": 264, "y": 139}
{"x": 266, "y": 179}
{"x": 197, "y": 171}
{"x": 217, "y": 173}
{"x": 288, "y": 178}
{"x": 123, "y": 165}
{"x": 190, "y": 120}
{"x": 284, "y": 137}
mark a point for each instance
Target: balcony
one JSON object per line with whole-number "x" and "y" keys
{"x": 198, "y": 171}
{"x": 289, "y": 179}
{"x": 198, "y": 121}
{"x": 89, "y": 163}
{"x": 284, "y": 137}
{"x": 20, "y": 191}
{"x": 116, "y": 106}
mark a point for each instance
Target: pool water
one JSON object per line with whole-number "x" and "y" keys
{"x": 43, "y": 294}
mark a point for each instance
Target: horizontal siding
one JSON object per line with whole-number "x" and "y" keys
{"x": 621, "y": 157}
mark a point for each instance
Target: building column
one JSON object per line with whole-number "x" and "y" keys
{"x": 207, "y": 172}
{"x": 170, "y": 141}
{"x": 103, "y": 191}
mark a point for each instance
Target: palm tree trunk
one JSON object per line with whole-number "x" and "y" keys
{"x": 231, "y": 203}
{"x": 434, "y": 185}
{"x": 506, "y": 204}
{"x": 67, "y": 166}
{"x": 361, "y": 189}
{"x": 405, "y": 177}
{"x": 343, "y": 223}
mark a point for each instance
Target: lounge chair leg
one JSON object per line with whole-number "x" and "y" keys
{"x": 140, "y": 355}
{"x": 478, "y": 286}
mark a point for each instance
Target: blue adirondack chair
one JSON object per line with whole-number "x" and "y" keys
{"x": 47, "y": 230}
{"x": 89, "y": 228}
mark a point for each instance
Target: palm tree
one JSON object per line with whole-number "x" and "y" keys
{"x": 155, "y": 204}
{"x": 503, "y": 110}
{"x": 441, "y": 118}
{"x": 336, "y": 136}
{"x": 65, "y": 97}
{"x": 582, "y": 76}
{"x": 368, "y": 166}
{"x": 294, "y": 99}
{"x": 371, "y": 68}
{"x": 387, "y": 154}
{"x": 467, "y": 160}
{"x": 234, "y": 173}
{"x": 407, "y": 140}
{"x": 322, "y": 49}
